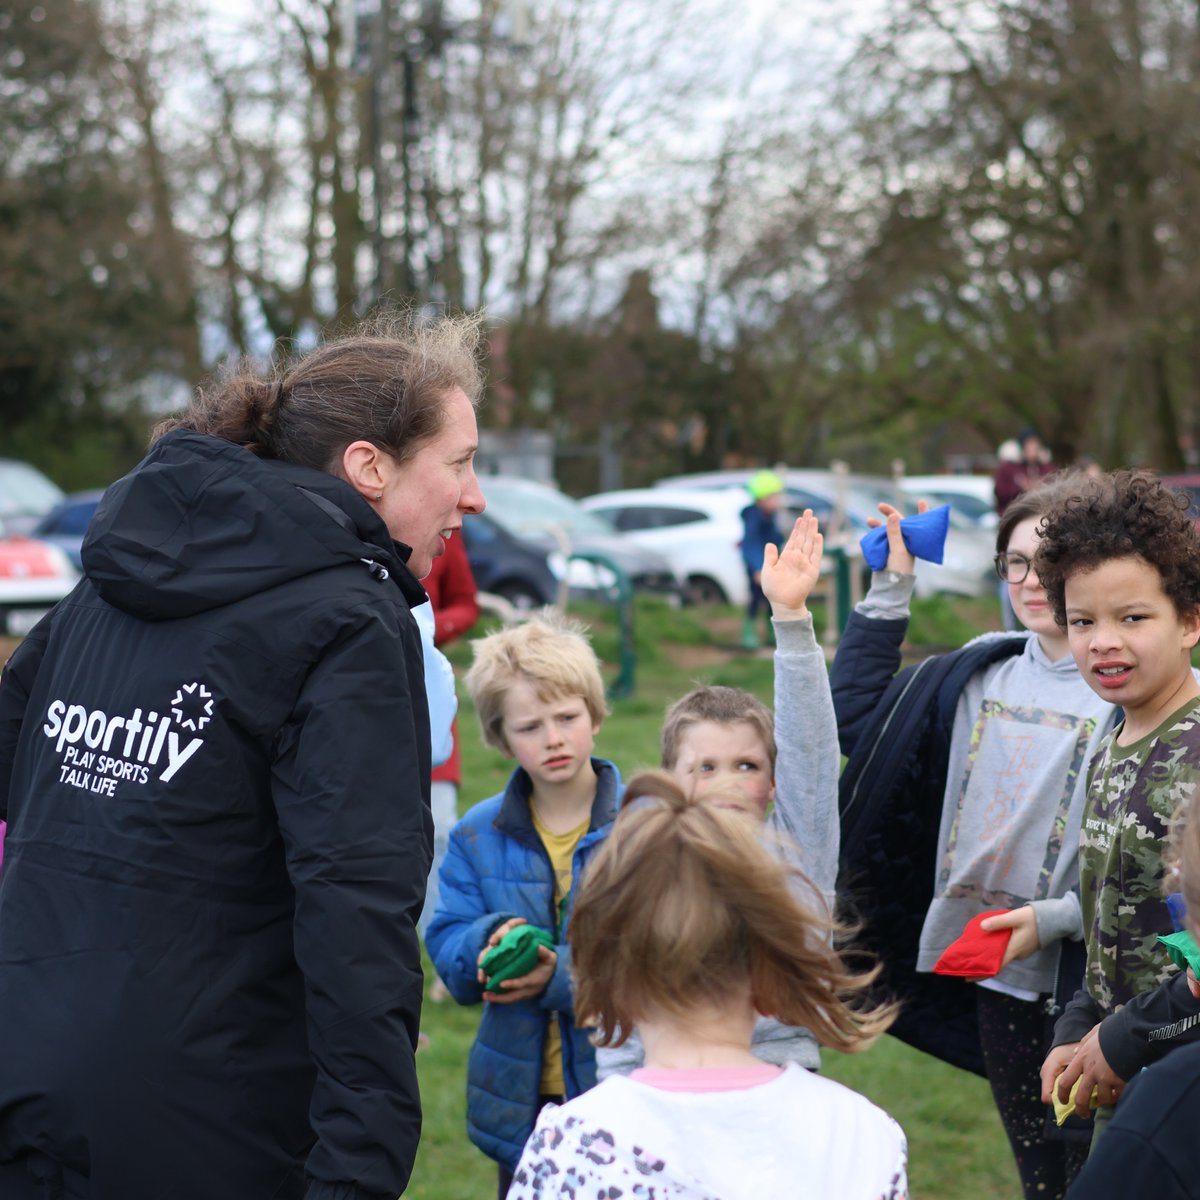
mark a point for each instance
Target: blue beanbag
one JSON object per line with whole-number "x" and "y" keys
{"x": 924, "y": 535}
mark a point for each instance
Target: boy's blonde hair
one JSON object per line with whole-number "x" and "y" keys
{"x": 722, "y": 706}
{"x": 684, "y": 906}
{"x": 549, "y": 650}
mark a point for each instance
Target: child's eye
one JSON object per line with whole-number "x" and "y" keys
{"x": 705, "y": 767}
{"x": 1136, "y": 616}
{"x": 1079, "y": 622}
{"x": 747, "y": 765}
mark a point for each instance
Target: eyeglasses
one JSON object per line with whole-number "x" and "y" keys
{"x": 1013, "y": 568}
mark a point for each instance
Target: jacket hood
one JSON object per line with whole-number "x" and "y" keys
{"x": 201, "y": 522}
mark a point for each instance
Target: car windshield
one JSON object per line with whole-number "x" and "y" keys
{"x": 25, "y": 491}
{"x": 526, "y": 507}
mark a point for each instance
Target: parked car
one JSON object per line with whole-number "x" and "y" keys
{"x": 34, "y": 577}
{"x": 971, "y": 496}
{"x": 524, "y": 574}
{"x": 26, "y": 495}
{"x": 699, "y": 531}
{"x": 968, "y": 569}
{"x": 542, "y": 515}
{"x": 66, "y": 523}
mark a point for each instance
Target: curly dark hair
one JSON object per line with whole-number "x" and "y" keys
{"x": 1124, "y": 514}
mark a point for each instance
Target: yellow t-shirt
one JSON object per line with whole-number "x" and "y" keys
{"x": 561, "y": 849}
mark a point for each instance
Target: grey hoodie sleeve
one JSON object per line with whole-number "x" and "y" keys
{"x": 808, "y": 761}
{"x": 889, "y": 596}
{"x": 1058, "y": 918}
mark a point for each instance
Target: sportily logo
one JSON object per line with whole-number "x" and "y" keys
{"x": 192, "y": 706}
{"x": 99, "y": 751}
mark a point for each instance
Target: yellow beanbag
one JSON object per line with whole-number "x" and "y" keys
{"x": 1063, "y": 1111}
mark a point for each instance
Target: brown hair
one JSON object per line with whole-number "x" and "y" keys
{"x": 1039, "y": 500}
{"x": 551, "y": 651}
{"x": 685, "y": 906}
{"x": 1125, "y": 514}
{"x": 721, "y": 706}
{"x": 385, "y": 382}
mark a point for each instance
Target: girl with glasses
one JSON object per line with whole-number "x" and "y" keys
{"x": 962, "y": 794}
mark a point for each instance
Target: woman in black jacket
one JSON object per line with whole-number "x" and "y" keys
{"x": 214, "y": 764}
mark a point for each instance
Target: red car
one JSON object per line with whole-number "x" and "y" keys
{"x": 34, "y": 576}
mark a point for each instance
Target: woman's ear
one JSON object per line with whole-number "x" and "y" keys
{"x": 365, "y": 468}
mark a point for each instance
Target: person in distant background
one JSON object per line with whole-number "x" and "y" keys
{"x": 452, "y": 591}
{"x": 1030, "y": 467}
{"x": 760, "y": 528}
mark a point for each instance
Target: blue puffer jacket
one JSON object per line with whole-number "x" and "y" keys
{"x": 496, "y": 868}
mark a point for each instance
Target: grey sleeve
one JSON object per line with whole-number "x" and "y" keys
{"x": 1058, "y": 918}
{"x": 619, "y": 1060}
{"x": 808, "y": 759}
{"x": 889, "y": 596}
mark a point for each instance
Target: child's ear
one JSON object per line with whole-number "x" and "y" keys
{"x": 1191, "y": 628}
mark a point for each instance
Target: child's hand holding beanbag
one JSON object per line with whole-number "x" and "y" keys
{"x": 514, "y": 955}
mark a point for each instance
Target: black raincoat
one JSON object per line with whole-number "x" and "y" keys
{"x": 214, "y": 763}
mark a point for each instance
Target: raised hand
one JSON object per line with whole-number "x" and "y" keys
{"x": 789, "y": 575}
{"x": 900, "y": 558}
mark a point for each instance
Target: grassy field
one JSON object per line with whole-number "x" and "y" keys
{"x": 957, "y": 1147}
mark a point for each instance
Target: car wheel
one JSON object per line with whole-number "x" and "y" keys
{"x": 701, "y": 589}
{"x": 520, "y": 595}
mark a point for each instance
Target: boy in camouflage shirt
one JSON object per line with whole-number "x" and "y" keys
{"x": 1120, "y": 563}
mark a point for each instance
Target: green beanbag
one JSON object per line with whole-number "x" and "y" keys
{"x": 514, "y": 955}
{"x": 1183, "y": 950}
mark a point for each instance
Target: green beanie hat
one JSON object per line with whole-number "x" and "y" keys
{"x": 764, "y": 484}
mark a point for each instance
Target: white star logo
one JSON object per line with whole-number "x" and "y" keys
{"x": 192, "y": 706}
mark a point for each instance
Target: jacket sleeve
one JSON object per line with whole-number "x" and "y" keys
{"x": 463, "y": 921}
{"x": 1081, "y": 1014}
{"x": 808, "y": 761}
{"x": 350, "y": 789}
{"x": 1058, "y": 918}
{"x": 1149, "y": 1026}
{"x": 15, "y": 685}
{"x": 455, "y": 608}
{"x": 748, "y": 544}
{"x": 868, "y": 655}
{"x": 1127, "y": 1163}
{"x": 558, "y": 995}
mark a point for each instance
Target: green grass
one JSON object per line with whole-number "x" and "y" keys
{"x": 957, "y": 1148}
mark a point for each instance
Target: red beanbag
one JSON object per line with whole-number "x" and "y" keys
{"x": 975, "y": 954}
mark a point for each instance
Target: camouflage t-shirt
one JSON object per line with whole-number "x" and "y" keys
{"x": 1133, "y": 791}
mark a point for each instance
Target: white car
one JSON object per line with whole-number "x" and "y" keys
{"x": 698, "y": 531}
{"x": 972, "y": 496}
